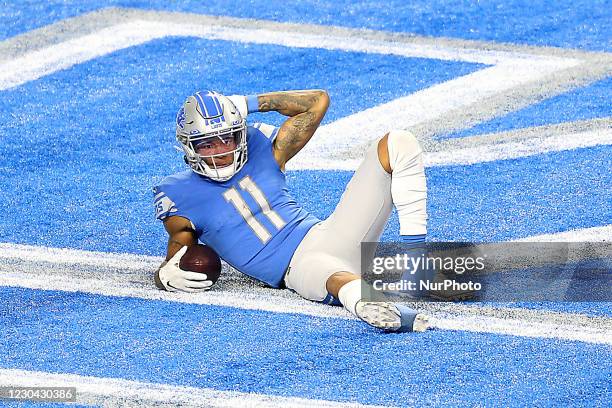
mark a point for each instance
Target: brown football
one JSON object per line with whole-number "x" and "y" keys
{"x": 203, "y": 259}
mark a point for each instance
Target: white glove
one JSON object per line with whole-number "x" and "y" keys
{"x": 240, "y": 102}
{"x": 175, "y": 279}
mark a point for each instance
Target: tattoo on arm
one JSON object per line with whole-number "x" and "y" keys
{"x": 305, "y": 110}
{"x": 298, "y": 131}
{"x": 287, "y": 103}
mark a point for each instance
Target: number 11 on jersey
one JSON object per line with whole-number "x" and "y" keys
{"x": 233, "y": 196}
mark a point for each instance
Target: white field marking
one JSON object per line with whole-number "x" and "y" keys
{"x": 334, "y": 141}
{"x": 494, "y": 151}
{"x": 516, "y": 149}
{"x": 114, "y": 392}
{"x": 60, "y": 56}
{"x": 131, "y": 276}
{"x": 594, "y": 234}
{"x": 519, "y": 327}
{"x": 74, "y": 256}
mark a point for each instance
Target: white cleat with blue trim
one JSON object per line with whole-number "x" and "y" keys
{"x": 391, "y": 317}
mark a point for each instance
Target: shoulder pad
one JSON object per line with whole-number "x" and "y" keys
{"x": 268, "y": 131}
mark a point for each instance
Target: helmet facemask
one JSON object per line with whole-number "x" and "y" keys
{"x": 218, "y": 157}
{"x": 212, "y": 134}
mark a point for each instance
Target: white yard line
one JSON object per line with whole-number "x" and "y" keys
{"x": 113, "y": 392}
{"x": 254, "y": 298}
{"x": 259, "y": 299}
{"x": 594, "y": 234}
{"x": 525, "y": 328}
{"x": 127, "y": 275}
{"x": 516, "y": 149}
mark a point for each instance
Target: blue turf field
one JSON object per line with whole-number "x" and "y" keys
{"x": 293, "y": 355}
{"x": 82, "y": 147}
{"x": 582, "y": 24}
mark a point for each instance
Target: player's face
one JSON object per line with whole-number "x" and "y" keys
{"x": 216, "y": 146}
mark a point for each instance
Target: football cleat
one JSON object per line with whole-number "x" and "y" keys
{"x": 391, "y": 317}
{"x": 212, "y": 134}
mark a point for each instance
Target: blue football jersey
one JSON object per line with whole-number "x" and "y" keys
{"x": 251, "y": 220}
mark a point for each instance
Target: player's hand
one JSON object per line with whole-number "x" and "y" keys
{"x": 174, "y": 279}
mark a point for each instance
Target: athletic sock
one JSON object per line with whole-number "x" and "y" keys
{"x": 350, "y": 294}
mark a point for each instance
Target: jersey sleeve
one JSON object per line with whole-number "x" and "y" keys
{"x": 164, "y": 206}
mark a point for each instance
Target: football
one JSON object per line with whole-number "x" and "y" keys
{"x": 203, "y": 259}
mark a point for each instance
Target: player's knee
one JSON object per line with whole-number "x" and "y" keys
{"x": 404, "y": 149}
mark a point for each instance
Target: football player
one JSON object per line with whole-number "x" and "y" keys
{"x": 234, "y": 198}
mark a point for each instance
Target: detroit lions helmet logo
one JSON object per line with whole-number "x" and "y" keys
{"x": 180, "y": 118}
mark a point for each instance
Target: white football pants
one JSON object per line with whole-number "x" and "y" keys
{"x": 334, "y": 245}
